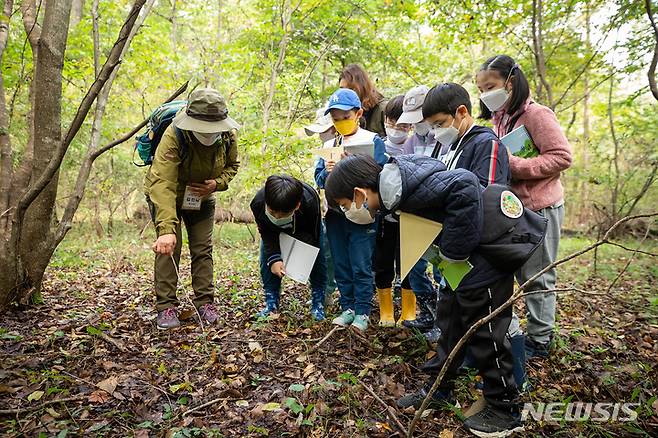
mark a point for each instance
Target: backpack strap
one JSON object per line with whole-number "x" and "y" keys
{"x": 182, "y": 142}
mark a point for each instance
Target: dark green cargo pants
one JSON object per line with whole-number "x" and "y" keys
{"x": 199, "y": 226}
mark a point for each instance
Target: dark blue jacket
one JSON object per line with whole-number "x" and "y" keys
{"x": 306, "y": 224}
{"x": 454, "y": 199}
{"x": 481, "y": 152}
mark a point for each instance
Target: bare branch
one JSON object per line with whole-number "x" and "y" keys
{"x": 630, "y": 259}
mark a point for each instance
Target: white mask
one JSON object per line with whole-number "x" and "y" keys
{"x": 422, "y": 128}
{"x": 206, "y": 139}
{"x": 360, "y": 215}
{"x": 494, "y": 99}
{"x": 396, "y": 136}
{"x": 446, "y": 136}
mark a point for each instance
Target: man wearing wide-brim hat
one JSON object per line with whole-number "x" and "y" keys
{"x": 197, "y": 156}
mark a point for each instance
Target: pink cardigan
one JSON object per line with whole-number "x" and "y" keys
{"x": 537, "y": 180}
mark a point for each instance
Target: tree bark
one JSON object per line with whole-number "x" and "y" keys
{"x": 286, "y": 16}
{"x": 76, "y": 12}
{"x": 654, "y": 60}
{"x": 6, "y": 165}
{"x": 47, "y": 83}
{"x": 538, "y": 51}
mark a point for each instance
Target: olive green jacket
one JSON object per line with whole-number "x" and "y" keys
{"x": 171, "y": 172}
{"x": 375, "y": 118}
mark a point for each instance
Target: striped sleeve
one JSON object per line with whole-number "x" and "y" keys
{"x": 491, "y": 175}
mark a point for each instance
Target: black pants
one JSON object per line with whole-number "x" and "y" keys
{"x": 457, "y": 312}
{"x": 387, "y": 255}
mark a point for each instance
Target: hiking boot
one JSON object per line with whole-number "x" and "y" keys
{"x": 209, "y": 313}
{"x": 317, "y": 305}
{"x": 265, "y": 312}
{"x": 361, "y": 322}
{"x": 346, "y": 318}
{"x": 167, "y": 319}
{"x": 317, "y": 312}
{"x": 440, "y": 399}
{"x": 540, "y": 350}
{"x": 494, "y": 422}
{"x": 433, "y": 335}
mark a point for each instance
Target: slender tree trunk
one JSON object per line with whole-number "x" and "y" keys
{"x": 654, "y": 60}
{"x": 96, "y": 38}
{"x": 23, "y": 175}
{"x": 6, "y": 165}
{"x": 538, "y": 49}
{"x": 76, "y": 12}
{"x": 218, "y": 37}
{"x": 47, "y": 136}
{"x": 584, "y": 189}
{"x": 286, "y": 15}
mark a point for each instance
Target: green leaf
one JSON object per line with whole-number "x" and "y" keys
{"x": 296, "y": 387}
{"x": 272, "y": 406}
{"x": 294, "y": 406}
{"x": 36, "y": 395}
{"x": 93, "y": 331}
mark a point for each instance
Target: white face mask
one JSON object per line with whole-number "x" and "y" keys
{"x": 360, "y": 215}
{"x": 396, "y": 136}
{"x": 422, "y": 128}
{"x": 495, "y": 99}
{"x": 446, "y": 136}
{"x": 284, "y": 222}
{"x": 206, "y": 139}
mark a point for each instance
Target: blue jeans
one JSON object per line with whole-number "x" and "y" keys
{"x": 352, "y": 246}
{"x": 420, "y": 282}
{"x": 318, "y": 277}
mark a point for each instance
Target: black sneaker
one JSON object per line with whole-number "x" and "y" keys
{"x": 493, "y": 422}
{"x": 536, "y": 349}
{"x": 440, "y": 399}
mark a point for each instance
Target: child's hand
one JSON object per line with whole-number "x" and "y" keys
{"x": 278, "y": 269}
{"x": 329, "y": 165}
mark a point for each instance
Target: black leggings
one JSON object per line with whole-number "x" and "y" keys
{"x": 387, "y": 255}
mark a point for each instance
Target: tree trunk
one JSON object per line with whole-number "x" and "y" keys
{"x": 6, "y": 166}
{"x": 34, "y": 251}
{"x": 538, "y": 49}
{"x": 76, "y": 12}
{"x": 26, "y": 256}
{"x": 654, "y": 60}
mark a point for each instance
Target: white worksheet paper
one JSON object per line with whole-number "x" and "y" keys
{"x": 298, "y": 257}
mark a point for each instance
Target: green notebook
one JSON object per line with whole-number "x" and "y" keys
{"x": 520, "y": 143}
{"x": 454, "y": 273}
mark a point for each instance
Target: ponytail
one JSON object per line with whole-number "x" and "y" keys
{"x": 507, "y": 68}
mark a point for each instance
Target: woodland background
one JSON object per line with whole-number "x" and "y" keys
{"x": 79, "y": 76}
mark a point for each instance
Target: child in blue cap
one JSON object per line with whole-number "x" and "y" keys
{"x": 352, "y": 241}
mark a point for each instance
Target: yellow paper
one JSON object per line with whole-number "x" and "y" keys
{"x": 416, "y": 235}
{"x": 329, "y": 154}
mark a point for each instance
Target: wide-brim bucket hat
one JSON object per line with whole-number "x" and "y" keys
{"x": 205, "y": 112}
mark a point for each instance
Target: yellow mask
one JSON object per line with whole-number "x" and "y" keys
{"x": 346, "y": 126}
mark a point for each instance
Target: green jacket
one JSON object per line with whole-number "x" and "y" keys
{"x": 168, "y": 176}
{"x": 375, "y": 118}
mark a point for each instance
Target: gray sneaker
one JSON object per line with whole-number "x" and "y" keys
{"x": 345, "y": 318}
{"x": 167, "y": 319}
{"x": 209, "y": 313}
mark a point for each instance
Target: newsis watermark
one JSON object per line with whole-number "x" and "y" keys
{"x": 580, "y": 411}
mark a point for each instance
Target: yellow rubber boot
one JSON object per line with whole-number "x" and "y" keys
{"x": 386, "y": 318}
{"x": 408, "y": 305}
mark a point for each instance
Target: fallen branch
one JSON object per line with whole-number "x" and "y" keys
{"x": 323, "y": 340}
{"x": 42, "y": 405}
{"x": 516, "y": 295}
{"x": 205, "y": 405}
{"x": 389, "y": 410}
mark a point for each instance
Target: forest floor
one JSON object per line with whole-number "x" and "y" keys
{"x": 90, "y": 361}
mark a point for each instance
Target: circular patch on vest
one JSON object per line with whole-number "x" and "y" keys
{"x": 510, "y": 205}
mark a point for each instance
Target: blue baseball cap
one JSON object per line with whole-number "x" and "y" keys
{"x": 343, "y": 99}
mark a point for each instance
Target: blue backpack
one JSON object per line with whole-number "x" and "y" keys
{"x": 158, "y": 122}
